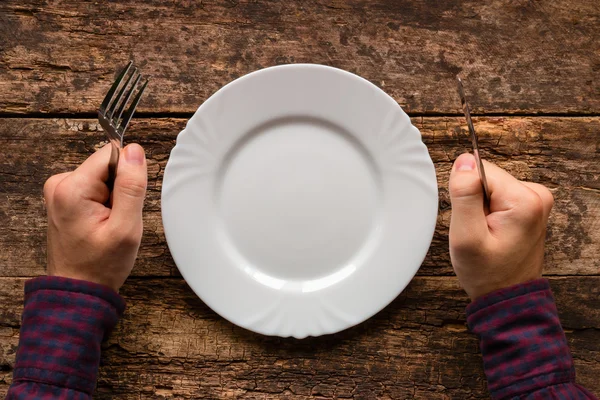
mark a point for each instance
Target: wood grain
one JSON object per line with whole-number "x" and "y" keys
{"x": 519, "y": 56}
{"x": 561, "y": 153}
{"x": 174, "y": 346}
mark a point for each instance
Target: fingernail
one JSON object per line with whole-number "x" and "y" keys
{"x": 134, "y": 154}
{"x": 465, "y": 164}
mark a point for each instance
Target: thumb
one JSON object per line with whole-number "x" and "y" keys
{"x": 466, "y": 195}
{"x": 130, "y": 186}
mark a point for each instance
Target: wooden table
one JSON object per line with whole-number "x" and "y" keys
{"x": 532, "y": 70}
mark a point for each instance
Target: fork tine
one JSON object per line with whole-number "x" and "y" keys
{"x": 131, "y": 110}
{"x": 121, "y": 108}
{"x": 114, "y": 105}
{"x": 114, "y": 87}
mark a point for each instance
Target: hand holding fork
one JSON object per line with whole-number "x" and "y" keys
{"x": 87, "y": 239}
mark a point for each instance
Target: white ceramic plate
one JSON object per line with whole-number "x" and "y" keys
{"x": 299, "y": 200}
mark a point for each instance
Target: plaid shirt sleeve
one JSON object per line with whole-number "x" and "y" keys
{"x": 64, "y": 322}
{"x": 524, "y": 348}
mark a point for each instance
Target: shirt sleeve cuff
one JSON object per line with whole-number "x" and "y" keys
{"x": 102, "y": 292}
{"x": 522, "y": 342}
{"x": 64, "y": 322}
{"x": 507, "y": 294}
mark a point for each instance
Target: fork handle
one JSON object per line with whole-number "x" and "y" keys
{"x": 112, "y": 165}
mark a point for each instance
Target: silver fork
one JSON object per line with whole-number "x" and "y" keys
{"x": 111, "y": 117}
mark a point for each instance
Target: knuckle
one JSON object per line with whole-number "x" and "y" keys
{"x": 50, "y": 185}
{"x": 63, "y": 193}
{"x": 532, "y": 207}
{"x": 535, "y": 205}
{"x": 543, "y": 193}
{"x": 547, "y": 197}
{"x": 70, "y": 190}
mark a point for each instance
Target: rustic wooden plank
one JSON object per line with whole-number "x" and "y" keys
{"x": 561, "y": 153}
{"x": 516, "y": 56}
{"x": 174, "y": 346}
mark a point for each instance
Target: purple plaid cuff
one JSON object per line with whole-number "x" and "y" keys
{"x": 525, "y": 352}
{"x": 64, "y": 323}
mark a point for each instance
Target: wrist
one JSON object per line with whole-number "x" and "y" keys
{"x": 487, "y": 287}
{"x": 74, "y": 285}
{"x": 507, "y": 293}
{"x": 86, "y": 278}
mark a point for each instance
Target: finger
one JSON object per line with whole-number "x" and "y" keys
{"x": 90, "y": 177}
{"x": 545, "y": 195}
{"x": 468, "y": 221}
{"x": 130, "y": 187}
{"x": 50, "y": 187}
{"x": 505, "y": 189}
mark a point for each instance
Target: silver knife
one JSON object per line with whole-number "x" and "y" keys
{"x": 466, "y": 110}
